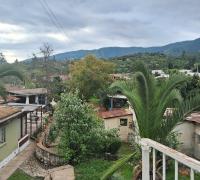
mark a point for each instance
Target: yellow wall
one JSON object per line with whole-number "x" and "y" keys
{"x": 12, "y": 136}
{"x": 115, "y": 123}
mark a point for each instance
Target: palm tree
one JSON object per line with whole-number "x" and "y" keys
{"x": 8, "y": 70}
{"x": 150, "y": 97}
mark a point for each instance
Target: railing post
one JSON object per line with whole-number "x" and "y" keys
{"x": 145, "y": 161}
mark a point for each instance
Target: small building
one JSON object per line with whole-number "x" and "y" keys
{"x": 189, "y": 135}
{"x": 117, "y": 101}
{"x": 121, "y": 119}
{"x": 34, "y": 115}
{"x": 189, "y": 72}
{"x": 159, "y": 74}
{"x": 30, "y": 96}
{"x": 13, "y": 133}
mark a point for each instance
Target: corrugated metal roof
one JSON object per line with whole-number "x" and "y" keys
{"x": 29, "y": 91}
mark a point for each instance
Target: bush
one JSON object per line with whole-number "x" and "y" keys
{"x": 53, "y": 133}
{"x": 104, "y": 141}
{"x": 172, "y": 140}
{"x": 81, "y": 131}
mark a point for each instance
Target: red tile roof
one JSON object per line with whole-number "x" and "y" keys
{"x": 194, "y": 117}
{"x": 114, "y": 113}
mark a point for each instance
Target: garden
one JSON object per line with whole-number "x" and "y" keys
{"x": 79, "y": 137}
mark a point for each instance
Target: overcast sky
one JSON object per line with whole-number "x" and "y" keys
{"x": 89, "y": 24}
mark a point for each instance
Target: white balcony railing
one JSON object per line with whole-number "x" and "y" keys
{"x": 148, "y": 145}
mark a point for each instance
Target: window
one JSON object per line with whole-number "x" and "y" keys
{"x": 123, "y": 122}
{"x": 41, "y": 99}
{"x": 2, "y": 135}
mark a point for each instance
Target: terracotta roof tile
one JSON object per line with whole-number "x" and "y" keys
{"x": 114, "y": 113}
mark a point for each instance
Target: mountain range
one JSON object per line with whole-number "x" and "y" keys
{"x": 174, "y": 49}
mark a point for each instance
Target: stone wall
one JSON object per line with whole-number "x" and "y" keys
{"x": 47, "y": 157}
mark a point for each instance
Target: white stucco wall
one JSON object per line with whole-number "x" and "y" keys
{"x": 186, "y": 136}
{"x": 115, "y": 123}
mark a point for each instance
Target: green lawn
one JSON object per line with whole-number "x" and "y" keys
{"x": 94, "y": 168}
{"x": 20, "y": 175}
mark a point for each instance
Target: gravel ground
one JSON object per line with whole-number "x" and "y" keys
{"x": 33, "y": 168}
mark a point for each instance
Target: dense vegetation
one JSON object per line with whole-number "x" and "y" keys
{"x": 127, "y": 64}
{"x": 77, "y": 129}
{"x": 150, "y": 99}
{"x": 80, "y": 131}
{"x": 90, "y": 76}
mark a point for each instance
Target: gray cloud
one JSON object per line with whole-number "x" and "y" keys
{"x": 88, "y": 24}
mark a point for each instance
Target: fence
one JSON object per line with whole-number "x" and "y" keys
{"x": 148, "y": 144}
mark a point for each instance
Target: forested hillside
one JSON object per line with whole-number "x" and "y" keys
{"x": 156, "y": 61}
{"x": 173, "y": 49}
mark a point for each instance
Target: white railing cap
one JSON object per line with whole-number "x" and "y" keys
{"x": 180, "y": 157}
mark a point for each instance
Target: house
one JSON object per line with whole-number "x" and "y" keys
{"x": 121, "y": 119}
{"x": 34, "y": 115}
{"x": 29, "y": 96}
{"x": 189, "y": 72}
{"x": 13, "y": 133}
{"x": 189, "y": 135}
{"x": 159, "y": 74}
{"x": 117, "y": 101}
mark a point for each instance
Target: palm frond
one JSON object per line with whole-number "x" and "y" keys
{"x": 149, "y": 98}
{"x": 10, "y": 70}
{"x": 118, "y": 164}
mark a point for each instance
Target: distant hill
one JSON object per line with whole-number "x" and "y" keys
{"x": 174, "y": 49}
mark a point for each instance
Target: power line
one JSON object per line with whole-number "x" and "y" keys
{"x": 52, "y": 17}
{"x": 53, "y": 14}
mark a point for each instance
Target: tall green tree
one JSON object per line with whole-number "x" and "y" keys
{"x": 81, "y": 132}
{"x": 90, "y": 76}
{"x": 8, "y": 70}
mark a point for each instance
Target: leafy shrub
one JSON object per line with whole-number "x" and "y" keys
{"x": 104, "y": 140}
{"x": 172, "y": 140}
{"x": 81, "y": 131}
{"x": 53, "y": 133}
